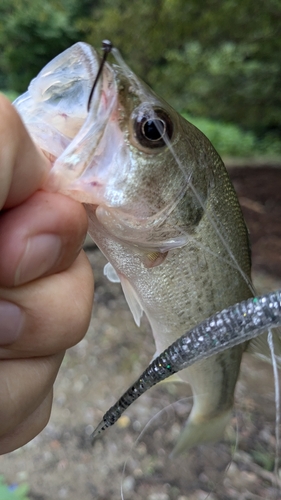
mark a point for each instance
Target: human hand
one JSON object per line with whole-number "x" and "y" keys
{"x": 46, "y": 283}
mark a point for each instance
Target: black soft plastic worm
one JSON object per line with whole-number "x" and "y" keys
{"x": 223, "y": 330}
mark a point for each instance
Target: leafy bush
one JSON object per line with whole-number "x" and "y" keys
{"x": 13, "y": 492}
{"x": 11, "y": 95}
{"x": 231, "y": 140}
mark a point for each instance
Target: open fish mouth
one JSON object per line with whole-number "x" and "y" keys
{"x": 80, "y": 143}
{"x": 95, "y": 152}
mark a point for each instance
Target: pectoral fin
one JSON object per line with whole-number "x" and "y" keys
{"x": 130, "y": 294}
{"x": 132, "y": 300}
{"x": 111, "y": 273}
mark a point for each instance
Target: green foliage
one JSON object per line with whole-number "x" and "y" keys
{"x": 270, "y": 145}
{"x": 206, "y": 57}
{"x": 228, "y": 139}
{"x": 219, "y": 59}
{"x": 13, "y": 492}
{"x": 31, "y": 34}
{"x": 11, "y": 95}
{"x": 231, "y": 140}
{"x": 263, "y": 457}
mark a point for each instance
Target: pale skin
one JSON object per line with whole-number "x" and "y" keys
{"x": 46, "y": 283}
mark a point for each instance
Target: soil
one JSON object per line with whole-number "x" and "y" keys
{"x": 260, "y": 198}
{"x": 135, "y": 453}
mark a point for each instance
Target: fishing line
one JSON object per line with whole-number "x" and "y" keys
{"x": 277, "y": 400}
{"x": 270, "y": 341}
{"x": 108, "y": 47}
{"x": 227, "y": 328}
{"x": 127, "y": 71}
{"x": 212, "y": 218}
{"x": 215, "y": 224}
{"x": 193, "y": 240}
{"x": 232, "y": 454}
{"x": 149, "y": 423}
{"x": 218, "y": 229}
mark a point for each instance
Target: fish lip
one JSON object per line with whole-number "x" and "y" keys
{"x": 73, "y": 172}
{"x": 54, "y": 108}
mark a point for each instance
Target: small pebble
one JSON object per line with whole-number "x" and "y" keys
{"x": 123, "y": 422}
{"x": 204, "y": 495}
{"x": 138, "y": 473}
{"x": 21, "y": 476}
{"x": 128, "y": 484}
{"x": 158, "y": 496}
{"x": 141, "y": 449}
{"x": 137, "y": 426}
{"x": 232, "y": 470}
{"x": 89, "y": 429}
{"x": 63, "y": 493}
{"x": 47, "y": 456}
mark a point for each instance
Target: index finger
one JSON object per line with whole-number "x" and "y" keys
{"x": 23, "y": 167}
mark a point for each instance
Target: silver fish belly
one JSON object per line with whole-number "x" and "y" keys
{"x": 161, "y": 208}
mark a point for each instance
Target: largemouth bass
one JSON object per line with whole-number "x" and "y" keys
{"x": 161, "y": 208}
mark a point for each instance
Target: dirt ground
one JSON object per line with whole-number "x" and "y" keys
{"x": 134, "y": 454}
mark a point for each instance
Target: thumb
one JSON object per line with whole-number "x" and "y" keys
{"x": 23, "y": 167}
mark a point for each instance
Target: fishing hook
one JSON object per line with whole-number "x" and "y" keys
{"x": 107, "y": 48}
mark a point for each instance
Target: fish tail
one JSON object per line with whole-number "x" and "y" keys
{"x": 200, "y": 429}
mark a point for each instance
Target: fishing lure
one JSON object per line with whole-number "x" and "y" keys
{"x": 225, "y": 329}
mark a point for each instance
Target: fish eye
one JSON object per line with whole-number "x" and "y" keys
{"x": 153, "y": 132}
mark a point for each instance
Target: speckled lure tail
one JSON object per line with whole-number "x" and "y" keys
{"x": 223, "y": 330}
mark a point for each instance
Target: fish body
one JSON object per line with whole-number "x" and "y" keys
{"x": 161, "y": 208}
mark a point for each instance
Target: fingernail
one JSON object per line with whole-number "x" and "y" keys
{"x": 11, "y": 322}
{"x": 41, "y": 254}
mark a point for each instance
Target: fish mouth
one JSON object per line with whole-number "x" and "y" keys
{"x": 55, "y": 112}
{"x": 90, "y": 150}
{"x": 84, "y": 168}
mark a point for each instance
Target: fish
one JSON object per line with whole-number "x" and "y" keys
{"x": 161, "y": 208}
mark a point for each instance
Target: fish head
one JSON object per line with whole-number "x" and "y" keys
{"x": 131, "y": 156}
{"x": 55, "y": 105}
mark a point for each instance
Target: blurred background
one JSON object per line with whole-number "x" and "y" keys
{"x": 218, "y": 63}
